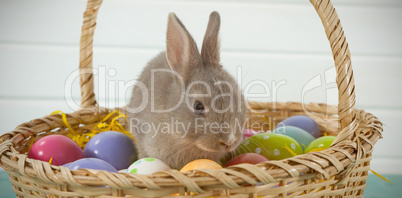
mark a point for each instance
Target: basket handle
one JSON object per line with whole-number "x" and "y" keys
{"x": 344, "y": 73}
{"x": 86, "y": 54}
{"x": 333, "y": 30}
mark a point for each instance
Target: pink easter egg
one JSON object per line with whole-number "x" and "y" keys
{"x": 248, "y": 158}
{"x": 248, "y": 133}
{"x": 60, "y": 148}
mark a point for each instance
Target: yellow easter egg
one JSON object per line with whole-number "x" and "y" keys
{"x": 201, "y": 164}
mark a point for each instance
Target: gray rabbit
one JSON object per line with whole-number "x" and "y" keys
{"x": 185, "y": 106}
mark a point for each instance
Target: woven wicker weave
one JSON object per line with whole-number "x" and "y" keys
{"x": 338, "y": 171}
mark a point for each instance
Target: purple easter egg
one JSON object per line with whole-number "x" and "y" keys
{"x": 114, "y": 147}
{"x": 92, "y": 163}
{"x": 303, "y": 122}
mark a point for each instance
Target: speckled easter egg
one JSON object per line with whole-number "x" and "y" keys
{"x": 201, "y": 164}
{"x": 270, "y": 145}
{"x": 320, "y": 144}
{"x": 147, "y": 166}
{"x": 303, "y": 122}
{"x": 247, "y": 158}
{"x": 301, "y": 136}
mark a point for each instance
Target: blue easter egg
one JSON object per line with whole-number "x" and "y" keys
{"x": 92, "y": 163}
{"x": 68, "y": 164}
{"x": 303, "y": 122}
{"x": 301, "y": 136}
{"x": 114, "y": 147}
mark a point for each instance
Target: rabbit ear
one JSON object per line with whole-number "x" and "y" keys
{"x": 181, "y": 50}
{"x": 210, "y": 46}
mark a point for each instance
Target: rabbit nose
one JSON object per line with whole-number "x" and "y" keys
{"x": 224, "y": 144}
{"x": 227, "y": 144}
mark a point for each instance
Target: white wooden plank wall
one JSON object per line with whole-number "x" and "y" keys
{"x": 276, "y": 41}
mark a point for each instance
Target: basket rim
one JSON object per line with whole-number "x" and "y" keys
{"x": 320, "y": 165}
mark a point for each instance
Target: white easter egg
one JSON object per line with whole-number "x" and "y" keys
{"x": 147, "y": 166}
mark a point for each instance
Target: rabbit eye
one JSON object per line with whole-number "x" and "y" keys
{"x": 199, "y": 108}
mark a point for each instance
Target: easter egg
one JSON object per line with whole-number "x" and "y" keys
{"x": 114, "y": 147}
{"x": 320, "y": 144}
{"x": 66, "y": 165}
{"x": 271, "y": 145}
{"x": 92, "y": 163}
{"x": 248, "y": 158}
{"x": 201, "y": 164}
{"x": 59, "y": 148}
{"x": 301, "y": 136}
{"x": 303, "y": 122}
{"x": 248, "y": 133}
{"x": 147, "y": 166}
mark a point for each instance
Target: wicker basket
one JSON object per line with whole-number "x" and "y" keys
{"x": 338, "y": 171}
